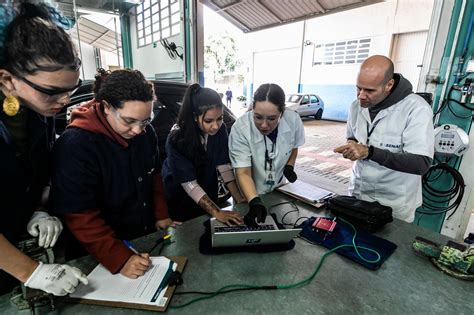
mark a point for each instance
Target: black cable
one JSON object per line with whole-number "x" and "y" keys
{"x": 300, "y": 218}
{"x": 446, "y": 104}
{"x": 292, "y": 203}
{"x": 458, "y": 115}
{"x": 433, "y": 196}
{"x": 460, "y": 103}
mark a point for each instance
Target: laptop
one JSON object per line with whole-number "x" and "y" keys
{"x": 307, "y": 193}
{"x": 242, "y": 235}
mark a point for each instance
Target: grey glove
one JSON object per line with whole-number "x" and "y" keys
{"x": 46, "y": 227}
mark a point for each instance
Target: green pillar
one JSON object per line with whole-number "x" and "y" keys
{"x": 126, "y": 39}
{"x": 187, "y": 40}
{"x": 451, "y": 73}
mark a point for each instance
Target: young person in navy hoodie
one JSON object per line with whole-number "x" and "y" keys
{"x": 106, "y": 183}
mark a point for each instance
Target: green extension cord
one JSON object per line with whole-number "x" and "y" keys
{"x": 242, "y": 287}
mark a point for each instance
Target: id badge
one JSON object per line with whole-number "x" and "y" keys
{"x": 270, "y": 178}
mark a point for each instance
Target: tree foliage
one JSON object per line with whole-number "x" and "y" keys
{"x": 220, "y": 54}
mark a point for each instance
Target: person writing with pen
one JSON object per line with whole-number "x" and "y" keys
{"x": 106, "y": 183}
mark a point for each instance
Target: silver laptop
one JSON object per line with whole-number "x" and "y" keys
{"x": 242, "y": 235}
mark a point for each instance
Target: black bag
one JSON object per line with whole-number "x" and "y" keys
{"x": 366, "y": 215}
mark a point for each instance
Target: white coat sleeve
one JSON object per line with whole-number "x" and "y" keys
{"x": 418, "y": 136}
{"x": 239, "y": 148}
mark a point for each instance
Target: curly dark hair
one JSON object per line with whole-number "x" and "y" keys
{"x": 272, "y": 93}
{"x": 36, "y": 41}
{"x": 120, "y": 86}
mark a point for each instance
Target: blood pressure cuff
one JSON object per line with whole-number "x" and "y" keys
{"x": 342, "y": 235}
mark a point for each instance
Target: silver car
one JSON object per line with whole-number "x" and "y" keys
{"x": 305, "y": 105}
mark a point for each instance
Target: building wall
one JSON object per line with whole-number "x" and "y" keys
{"x": 336, "y": 83}
{"x": 151, "y": 61}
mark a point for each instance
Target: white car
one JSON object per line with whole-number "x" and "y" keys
{"x": 305, "y": 105}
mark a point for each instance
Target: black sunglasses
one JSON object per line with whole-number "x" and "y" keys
{"x": 53, "y": 91}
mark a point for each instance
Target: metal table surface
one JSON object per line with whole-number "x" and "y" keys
{"x": 405, "y": 284}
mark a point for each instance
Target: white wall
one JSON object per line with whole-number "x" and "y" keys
{"x": 378, "y": 22}
{"x": 335, "y": 84}
{"x": 273, "y": 55}
{"x": 151, "y": 61}
{"x": 275, "y": 38}
{"x": 411, "y": 15}
{"x": 285, "y": 75}
{"x": 88, "y": 60}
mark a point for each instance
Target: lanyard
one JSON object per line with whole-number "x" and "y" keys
{"x": 267, "y": 156}
{"x": 369, "y": 133}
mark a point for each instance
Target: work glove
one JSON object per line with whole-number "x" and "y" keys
{"x": 56, "y": 279}
{"x": 256, "y": 211}
{"x": 289, "y": 173}
{"x": 46, "y": 227}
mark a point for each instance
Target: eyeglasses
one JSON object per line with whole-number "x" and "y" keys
{"x": 270, "y": 119}
{"x": 52, "y": 91}
{"x": 133, "y": 122}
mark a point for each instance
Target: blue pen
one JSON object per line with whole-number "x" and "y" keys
{"x": 130, "y": 246}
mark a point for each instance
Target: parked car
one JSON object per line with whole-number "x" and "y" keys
{"x": 169, "y": 97}
{"x": 306, "y": 105}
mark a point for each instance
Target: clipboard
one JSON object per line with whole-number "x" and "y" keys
{"x": 310, "y": 194}
{"x": 181, "y": 262}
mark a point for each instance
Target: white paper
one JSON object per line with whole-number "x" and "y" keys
{"x": 147, "y": 289}
{"x": 305, "y": 191}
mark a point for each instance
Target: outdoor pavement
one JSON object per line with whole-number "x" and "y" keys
{"x": 317, "y": 164}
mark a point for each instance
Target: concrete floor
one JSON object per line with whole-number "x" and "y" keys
{"x": 317, "y": 164}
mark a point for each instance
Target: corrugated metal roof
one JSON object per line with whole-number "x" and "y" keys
{"x": 97, "y": 35}
{"x": 254, "y": 15}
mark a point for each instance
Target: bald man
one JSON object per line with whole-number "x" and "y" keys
{"x": 390, "y": 138}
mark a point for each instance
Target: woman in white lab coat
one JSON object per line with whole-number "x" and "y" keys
{"x": 263, "y": 146}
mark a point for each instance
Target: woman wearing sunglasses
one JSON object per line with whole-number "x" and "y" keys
{"x": 196, "y": 151}
{"x": 106, "y": 182}
{"x": 263, "y": 147}
{"x": 39, "y": 70}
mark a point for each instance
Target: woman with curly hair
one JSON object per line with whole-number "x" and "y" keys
{"x": 106, "y": 182}
{"x": 39, "y": 70}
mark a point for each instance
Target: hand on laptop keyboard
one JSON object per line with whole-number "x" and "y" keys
{"x": 229, "y": 217}
{"x": 244, "y": 228}
{"x": 256, "y": 211}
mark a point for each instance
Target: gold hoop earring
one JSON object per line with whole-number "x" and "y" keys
{"x": 11, "y": 105}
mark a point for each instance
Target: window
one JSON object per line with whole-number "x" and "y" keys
{"x": 156, "y": 20}
{"x": 343, "y": 52}
{"x": 293, "y": 98}
{"x": 305, "y": 100}
{"x": 314, "y": 99}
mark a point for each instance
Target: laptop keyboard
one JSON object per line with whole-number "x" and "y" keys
{"x": 244, "y": 228}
